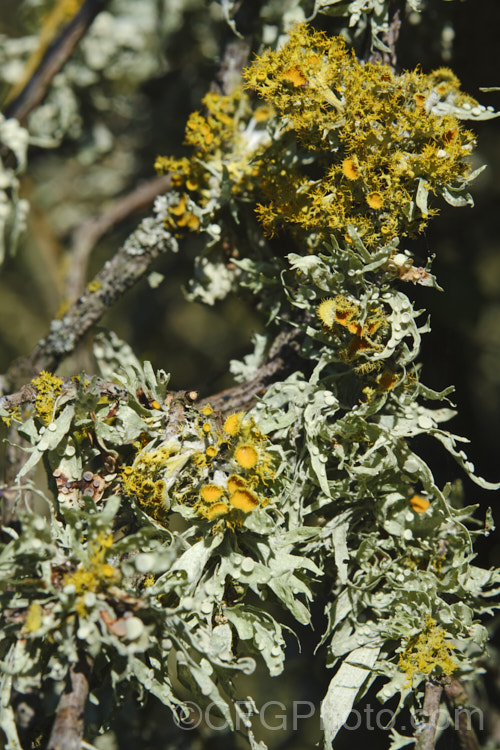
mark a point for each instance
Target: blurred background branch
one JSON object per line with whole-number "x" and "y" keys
{"x": 53, "y": 59}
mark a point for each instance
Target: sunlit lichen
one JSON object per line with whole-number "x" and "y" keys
{"x": 419, "y": 503}
{"x": 428, "y": 652}
{"x": 48, "y": 387}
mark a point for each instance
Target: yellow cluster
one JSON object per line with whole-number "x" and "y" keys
{"x": 245, "y": 464}
{"x": 216, "y": 501}
{"x": 426, "y": 652}
{"x": 341, "y": 314}
{"x": 95, "y": 575}
{"x": 370, "y": 145}
{"x": 48, "y": 387}
{"x": 218, "y": 139}
{"x": 373, "y": 134}
{"x": 228, "y": 466}
{"x": 144, "y": 481}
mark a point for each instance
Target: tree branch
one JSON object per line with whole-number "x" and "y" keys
{"x": 283, "y": 359}
{"x": 67, "y": 730}
{"x": 457, "y": 701}
{"x": 27, "y": 394}
{"x": 54, "y": 59}
{"x": 86, "y": 237}
{"x": 425, "y": 734}
{"x": 117, "y": 276}
{"x": 391, "y": 36}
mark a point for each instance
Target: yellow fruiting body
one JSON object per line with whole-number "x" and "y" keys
{"x": 211, "y": 493}
{"x": 216, "y": 511}
{"x": 419, "y": 503}
{"x": 350, "y": 168}
{"x": 246, "y": 455}
{"x": 232, "y": 423}
{"x": 388, "y": 380}
{"x": 244, "y": 500}
{"x": 235, "y": 482}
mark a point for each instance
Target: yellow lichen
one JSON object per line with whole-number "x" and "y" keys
{"x": 144, "y": 480}
{"x": 427, "y": 652}
{"x": 337, "y": 313}
{"x": 232, "y": 423}
{"x": 387, "y": 380}
{"x": 34, "y": 618}
{"x": 375, "y": 200}
{"x": 96, "y": 574}
{"x": 244, "y": 500}
{"x": 350, "y": 169}
{"x": 387, "y": 145}
{"x": 294, "y": 76}
{"x": 48, "y": 387}
{"x": 14, "y": 415}
{"x": 419, "y": 503}
{"x": 211, "y": 493}
{"x": 246, "y": 455}
{"x": 240, "y": 493}
{"x": 319, "y": 87}
{"x": 182, "y": 216}
{"x": 235, "y": 482}
{"x": 216, "y": 511}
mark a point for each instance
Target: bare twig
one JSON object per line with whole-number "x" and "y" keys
{"x": 281, "y": 361}
{"x": 391, "y": 36}
{"x": 426, "y": 733}
{"x": 27, "y": 394}
{"x": 129, "y": 264}
{"x": 67, "y": 730}
{"x": 457, "y": 700}
{"x": 86, "y": 237}
{"x": 54, "y": 59}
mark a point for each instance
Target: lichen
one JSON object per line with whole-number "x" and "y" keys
{"x": 48, "y": 387}
{"x": 428, "y": 653}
